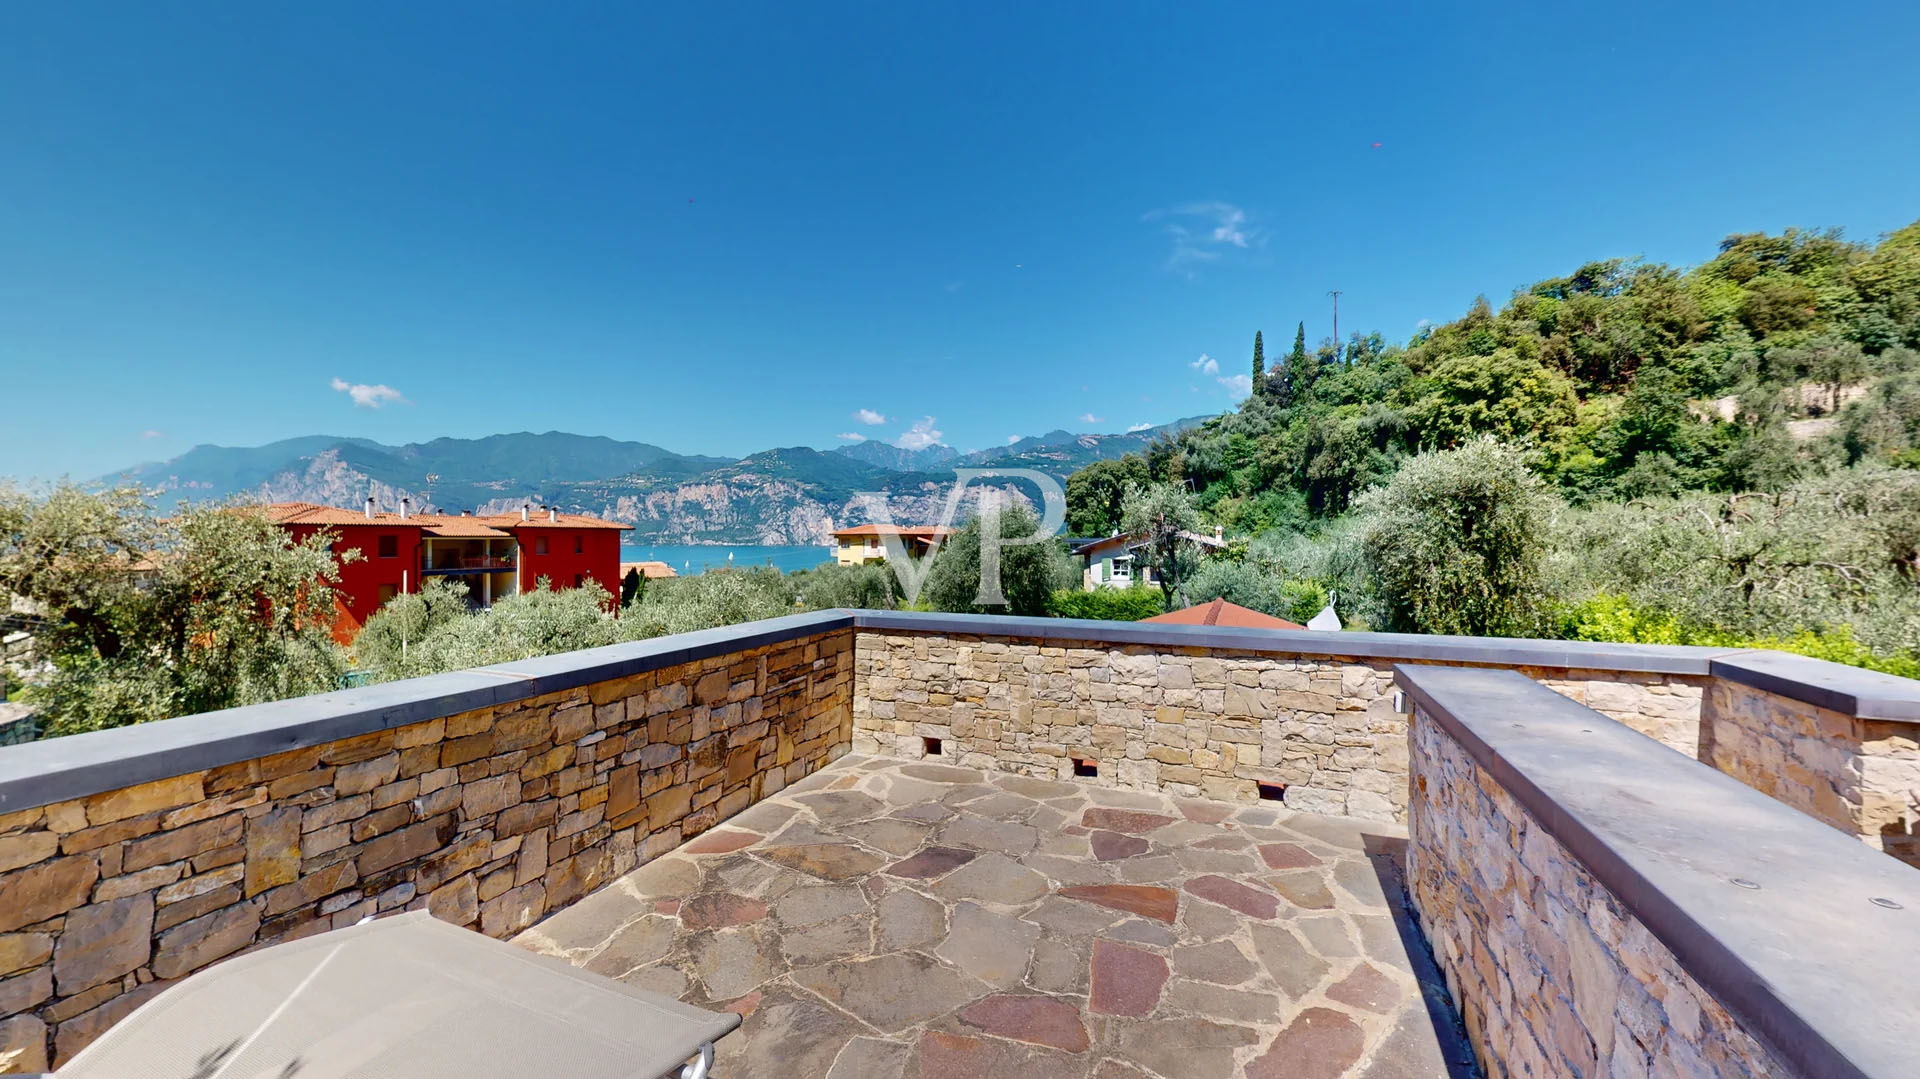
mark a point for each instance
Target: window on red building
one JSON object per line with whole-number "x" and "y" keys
{"x": 387, "y": 592}
{"x": 389, "y": 546}
{"x": 579, "y": 545}
{"x": 579, "y": 579}
{"x": 540, "y": 545}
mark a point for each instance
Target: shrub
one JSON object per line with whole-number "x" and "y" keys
{"x": 871, "y": 586}
{"x": 1616, "y": 618}
{"x": 1455, "y": 543}
{"x": 1108, "y": 604}
{"x": 1257, "y": 588}
{"x": 718, "y": 597}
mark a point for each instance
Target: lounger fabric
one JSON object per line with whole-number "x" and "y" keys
{"x": 405, "y": 997}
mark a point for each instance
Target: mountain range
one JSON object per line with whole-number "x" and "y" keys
{"x": 792, "y": 495}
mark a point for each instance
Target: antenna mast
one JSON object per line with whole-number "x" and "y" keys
{"x": 1335, "y": 293}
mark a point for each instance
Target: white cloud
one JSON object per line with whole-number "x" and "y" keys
{"x": 1206, "y": 365}
{"x": 1139, "y": 427}
{"x": 1088, "y": 417}
{"x": 869, "y": 417}
{"x": 1237, "y": 385}
{"x": 365, "y": 396}
{"x": 918, "y": 437}
{"x": 849, "y": 436}
{"x": 1204, "y": 231}
{"x": 151, "y": 435}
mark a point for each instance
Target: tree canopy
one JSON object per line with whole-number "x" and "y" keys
{"x": 144, "y": 617}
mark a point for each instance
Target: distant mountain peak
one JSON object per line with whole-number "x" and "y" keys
{"x": 786, "y": 495}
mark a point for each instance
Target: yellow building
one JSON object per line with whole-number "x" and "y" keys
{"x": 866, "y": 543}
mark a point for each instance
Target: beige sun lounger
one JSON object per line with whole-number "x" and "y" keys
{"x": 405, "y": 997}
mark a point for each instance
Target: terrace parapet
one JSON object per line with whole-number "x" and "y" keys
{"x": 496, "y": 796}
{"x": 1602, "y": 906}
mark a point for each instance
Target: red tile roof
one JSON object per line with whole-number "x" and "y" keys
{"x": 540, "y": 520}
{"x": 435, "y": 524}
{"x": 649, "y": 570}
{"x": 462, "y": 528}
{"x": 1222, "y": 613}
{"x": 894, "y": 530}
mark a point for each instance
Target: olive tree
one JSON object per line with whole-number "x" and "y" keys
{"x": 1030, "y": 572}
{"x": 1455, "y": 543}
{"x": 1164, "y": 515}
{"x": 144, "y": 617}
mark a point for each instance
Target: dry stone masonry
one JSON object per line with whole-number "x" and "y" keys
{"x": 1861, "y": 776}
{"x": 1551, "y": 974}
{"x": 1190, "y": 721}
{"x": 495, "y": 798}
{"x": 488, "y": 818}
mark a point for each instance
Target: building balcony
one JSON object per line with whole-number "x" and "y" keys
{"x": 469, "y": 565}
{"x": 919, "y": 845}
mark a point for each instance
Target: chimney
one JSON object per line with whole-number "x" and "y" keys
{"x": 405, "y": 505}
{"x": 526, "y": 512}
{"x": 1220, "y": 532}
{"x": 466, "y": 513}
{"x": 553, "y": 514}
{"x": 369, "y": 507}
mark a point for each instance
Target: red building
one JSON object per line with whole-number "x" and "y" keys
{"x": 497, "y": 555}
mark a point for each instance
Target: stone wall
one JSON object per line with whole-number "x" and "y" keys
{"x": 1551, "y": 973}
{"x": 489, "y": 818}
{"x": 1861, "y": 776}
{"x": 1217, "y": 724}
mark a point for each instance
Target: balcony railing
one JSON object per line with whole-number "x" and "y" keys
{"x": 475, "y": 564}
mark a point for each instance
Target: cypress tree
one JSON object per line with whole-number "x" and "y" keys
{"x": 1259, "y": 362}
{"x": 1298, "y": 357}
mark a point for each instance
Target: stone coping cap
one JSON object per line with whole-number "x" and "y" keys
{"x": 57, "y": 769}
{"x": 1515, "y": 651}
{"x": 1854, "y": 691}
{"x": 1806, "y": 961}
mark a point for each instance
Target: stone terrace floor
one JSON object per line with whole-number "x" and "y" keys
{"x": 892, "y": 919}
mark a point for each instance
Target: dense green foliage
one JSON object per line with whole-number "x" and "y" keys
{"x": 1623, "y": 379}
{"x": 1616, "y": 618}
{"x": 144, "y": 618}
{"x": 1834, "y": 551}
{"x": 1455, "y": 541}
{"x": 1108, "y": 604}
{"x": 1029, "y": 574}
{"x": 1096, "y": 494}
{"x": 434, "y": 630}
{"x": 1710, "y": 443}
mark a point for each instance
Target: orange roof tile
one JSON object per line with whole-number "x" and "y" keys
{"x": 1222, "y": 613}
{"x": 308, "y": 513}
{"x": 439, "y": 524}
{"x": 649, "y": 570}
{"x": 540, "y": 520}
{"x": 450, "y": 527}
{"x": 894, "y": 530}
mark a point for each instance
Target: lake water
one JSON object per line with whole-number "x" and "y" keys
{"x": 688, "y": 559}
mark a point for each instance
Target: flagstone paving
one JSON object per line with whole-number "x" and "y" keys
{"x": 911, "y": 920}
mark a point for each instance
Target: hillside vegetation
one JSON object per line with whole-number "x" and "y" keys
{"x": 1720, "y": 453}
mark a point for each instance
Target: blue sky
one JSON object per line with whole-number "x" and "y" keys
{"x": 721, "y": 228}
